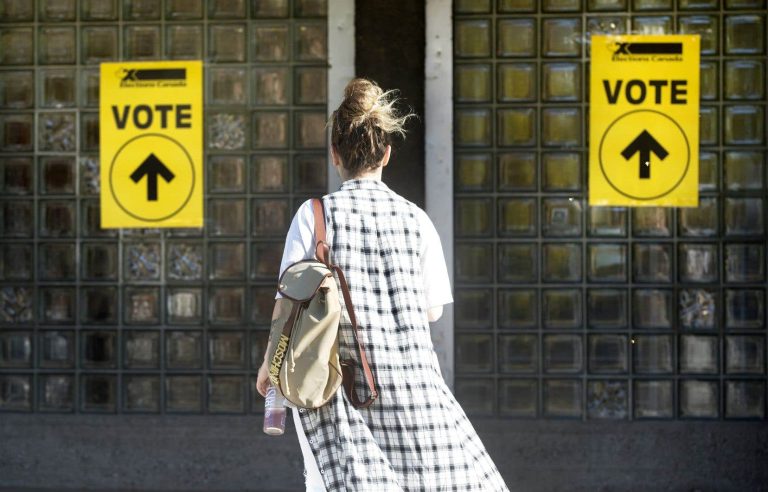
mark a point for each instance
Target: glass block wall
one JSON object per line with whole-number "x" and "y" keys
{"x": 150, "y": 320}
{"x": 569, "y": 311}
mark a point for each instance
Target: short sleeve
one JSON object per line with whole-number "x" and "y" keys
{"x": 437, "y": 284}
{"x": 299, "y": 240}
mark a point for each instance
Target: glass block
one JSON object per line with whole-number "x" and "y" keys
{"x": 57, "y": 88}
{"x": 226, "y": 131}
{"x": 262, "y": 305}
{"x": 562, "y": 81}
{"x": 474, "y": 262}
{"x": 744, "y": 170}
{"x": 59, "y": 305}
{"x": 708, "y": 125}
{"x": 698, "y": 262}
{"x": 99, "y": 305}
{"x": 516, "y": 82}
{"x": 311, "y": 8}
{"x": 561, "y": 127}
{"x": 310, "y": 173}
{"x": 518, "y": 397}
{"x": 607, "y": 5}
{"x": 270, "y": 217}
{"x": 706, "y": 27}
{"x": 652, "y": 263}
{"x": 226, "y": 174}
{"x": 476, "y": 395}
{"x": 270, "y": 86}
{"x": 700, "y": 221}
{"x": 258, "y": 349}
{"x": 265, "y": 260}
{"x": 563, "y": 397}
{"x": 656, "y": 25}
{"x": 561, "y": 171}
{"x": 142, "y": 349}
{"x": 98, "y": 10}
{"x": 183, "y": 9}
{"x": 183, "y": 394}
{"x": 185, "y": 305}
{"x": 226, "y": 305}
{"x": 563, "y": 353}
{"x": 185, "y": 42}
{"x": 57, "y": 175}
{"x": 474, "y": 217}
{"x": 16, "y": 305}
{"x": 15, "y": 349}
{"x": 473, "y": 127}
{"x": 17, "y": 89}
{"x": 98, "y": 349}
{"x": 17, "y": 11}
{"x": 518, "y": 308}
{"x": 270, "y": 8}
{"x": 89, "y": 132}
{"x": 142, "y": 42}
{"x": 472, "y": 38}
{"x": 90, "y": 220}
{"x": 16, "y": 132}
{"x": 472, "y": 6}
{"x": 744, "y": 125}
{"x": 653, "y": 354}
{"x": 270, "y": 43}
{"x": 99, "y": 392}
{"x": 227, "y": 9}
{"x": 474, "y": 353}
{"x": 744, "y": 308}
{"x": 57, "y": 261}
{"x": 226, "y": 350}
{"x": 698, "y": 354}
{"x": 607, "y": 221}
{"x": 141, "y": 393}
{"x": 745, "y": 399}
{"x": 310, "y": 132}
{"x": 709, "y": 173}
{"x": 226, "y": 43}
{"x": 185, "y": 261}
{"x": 226, "y": 394}
{"x": 744, "y": 79}
{"x": 270, "y": 130}
{"x": 608, "y": 354}
{"x": 142, "y": 305}
{"x": 16, "y": 176}
{"x": 15, "y": 392}
{"x": 184, "y": 349}
{"x": 473, "y": 172}
{"x": 744, "y": 262}
{"x": 99, "y": 44}
{"x": 518, "y": 353}
{"x": 561, "y": 5}
{"x": 744, "y": 217}
{"x": 227, "y": 260}
{"x": 142, "y": 10}
{"x": 561, "y": 217}
{"x": 515, "y": 38}
{"x": 311, "y": 85}
{"x": 651, "y": 222}
{"x": 142, "y": 261}
{"x": 607, "y": 399}
{"x": 709, "y": 75}
{"x": 745, "y": 354}
{"x": 517, "y": 262}
{"x": 311, "y": 42}
{"x": 744, "y": 34}
{"x": 473, "y": 83}
{"x": 652, "y": 308}
{"x": 561, "y": 37}
{"x": 517, "y": 171}
{"x": 697, "y": 4}
{"x": 698, "y": 308}
{"x": 56, "y": 392}
{"x": 653, "y": 399}
{"x": 16, "y": 262}
{"x": 89, "y": 88}
{"x": 58, "y": 10}
{"x": 607, "y": 308}
{"x": 607, "y": 262}
{"x": 744, "y": 4}
{"x": 17, "y": 46}
{"x": 517, "y": 217}
{"x": 16, "y": 219}
{"x": 699, "y": 398}
{"x": 270, "y": 173}
{"x": 57, "y": 132}
{"x": 57, "y": 218}
{"x": 227, "y": 217}
{"x": 562, "y": 308}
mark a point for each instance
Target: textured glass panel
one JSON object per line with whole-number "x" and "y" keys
{"x": 698, "y": 354}
{"x": 700, "y": 221}
{"x": 744, "y": 217}
{"x": 600, "y": 5}
{"x": 227, "y": 217}
{"x": 226, "y": 394}
{"x": 473, "y": 172}
{"x": 708, "y": 81}
{"x": 16, "y": 132}
{"x": 563, "y": 353}
{"x": 653, "y": 354}
{"x": 654, "y": 399}
{"x": 59, "y": 305}
{"x": 561, "y": 171}
{"x": 56, "y": 261}
{"x": 226, "y": 305}
{"x": 227, "y": 86}
{"x": 608, "y": 221}
{"x": 518, "y": 353}
{"x": 561, "y": 217}
{"x": 517, "y": 262}
{"x": 745, "y": 308}
{"x": 98, "y": 349}
{"x": 708, "y": 125}
{"x": 184, "y": 42}
{"x": 744, "y": 79}
{"x": 309, "y": 130}
{"x": 226, "y": 350}
{"x": 143, "y": 10}
{"x": 472, "y": 6}
{"x": 16, "y": 262}
{"x": 57, "y": 86}
{"x": 561, "y": 262}
{"x": 270, "y": 173}
{"x": 226, "y": 131}
{"x": 57, "y": 218}
{"x": 698, "y": 308}
{"x": 607, "y": 308}
{"x": 561, "y": 5}
{"x": 265, "y": 262}
{"x": 651, "y": 222}
{"x": 142, "y": 261}
{"x": 311, "y": 42}
{"x": 655, "y": 25}
{"x": 270, "y": 86}
{"x": 473, "y": 83}
{"x": 516, "y": 126}
{"x": 17, "y": 10}
{"x": 56, "y": 45}
{"x": 652, "y": 308}
{"x": 474, "y": 308}
{"x": 476, "y": 395}
{"x": 227, "y": 260}
{"x": 270, "y": 8}
{"x": 142, "y": 305}
{"x": 183, "y": 393}
{"x": 744, "y": 4}
{"x": 516, "y": 82}
{"x": 744, "y": 125}
{"x": 17, "y": 46}
{"x": 562, "y": 81}
{"x": 517, "y": 216}
{"x": 561, "y": 127}
{"x": 227, "y": 9}
{"x": 607, "y": 262}
{"x": 184, "y": 349}
{"x": 56, "y": 132}
{"x": 311, "y": 85}
{"x": 745, "y": 399}
{"x": 270, "y": 130}
{"x": 516, "y": 37}
{"x": 16, "y": 175}
{"x": 141, "y": 393}
{"x": 270, "y": 43}
{"x": 474, "y": 262}
{"x": 98, "y": 10}
{"x": 607, "y": 399}
{"x": 473, "y": 127}
{"x": 706, "y": 27}
{"x": 311, "y": 8}
{"x": 474, "y": 217}
{"x": 561, "y": 37}
{"x": 184, "y": 305}
{"x": 608, "y": 354}
{"x": 505, "y": 6}
{"x": 262, "y": 305}
{"x": 99, "y": 305}
{"x": 226, "y": 174}
{"x": 183, "y": 9}
{"x": 474, "y": 353}
{"x": 518, "y": 397}
{"x": 709, "y": 173}
{"x": 16, "y": 219}
{"x": 17, "y": 89}
{"x": 697, "y": 262}
{"x": 744, "y": 170}
{"x": 699, "y": 399}
{"x": 744, "y": 34}
{"x": 652, "y": 262}
{"x": 89, "y": 87}
{"x": 310, "y": 173}
{"x": 226, "y": 43}
{"x": 15, "y": 349}
{"x": 744, "y": 262}
{"x": 745, "y": 355}
{"x": 99, "y": 392}
{"x": 697, "y": 4}
{"x": 99, "y": 261}
{"x": 16, "y": 305}
{"x": 562, "y": 308}
{"x": 142, "y": 42}
{"x": 56, "y": 392}
{"x": 517, "y": 308}
{"x": 90, "y": 220}
{"x": 270, "y": 216}
{"x": 562, "y": 398}
{"x": 517, "y": 171}
{"x": 99, "y": 44}
{"x": 89, "y": 132}
{"x": 142, "y": 349}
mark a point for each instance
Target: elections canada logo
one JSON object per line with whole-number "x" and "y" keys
{"x": 643, "y": 51}
{"x": 153, "y": 77}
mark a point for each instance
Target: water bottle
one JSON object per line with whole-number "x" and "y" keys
{"x": 274, "y": 412}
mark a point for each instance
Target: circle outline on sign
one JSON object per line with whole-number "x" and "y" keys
{"x": 687, "y": 162}
{"x": 112, "y": 169}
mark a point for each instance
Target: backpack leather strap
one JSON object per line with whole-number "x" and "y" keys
{"x": 322, "y": 250}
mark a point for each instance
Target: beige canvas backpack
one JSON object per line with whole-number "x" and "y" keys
{"x": 304, "y": 363}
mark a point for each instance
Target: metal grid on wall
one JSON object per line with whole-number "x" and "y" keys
{"x": 150, "y": 320}
{"x": 569, "y": 311}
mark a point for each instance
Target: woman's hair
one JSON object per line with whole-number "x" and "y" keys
{"x": 362, "y": 125}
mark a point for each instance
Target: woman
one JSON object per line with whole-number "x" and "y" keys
{"x": 415, "y": 436}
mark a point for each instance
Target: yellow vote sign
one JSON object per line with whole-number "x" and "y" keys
{"x": 644, "y": 121}
{"x": 151, "y": 141}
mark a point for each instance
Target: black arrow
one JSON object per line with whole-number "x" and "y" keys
{"x": 645, "y": 144}
{"x": 152, "y": 167}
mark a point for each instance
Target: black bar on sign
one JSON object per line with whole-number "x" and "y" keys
{"x": 649, "y": 49}
{"x": 156, "y": 74}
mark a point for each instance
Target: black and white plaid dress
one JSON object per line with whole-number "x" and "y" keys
{"x": 415, "y": 436}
